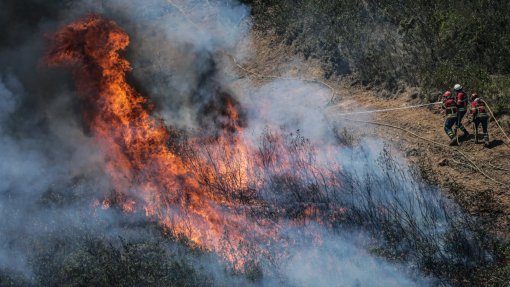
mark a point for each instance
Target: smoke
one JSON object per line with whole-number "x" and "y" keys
{"x": 175, "y": 50}
{"x": 339, "y": 262}
{"x": 288, "y": 104}
{"x": 52, "y": 171}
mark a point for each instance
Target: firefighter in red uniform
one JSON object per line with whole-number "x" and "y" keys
{"x": 461, "y": 99}
{"x": 451, "y": 117}
{"x": 480, "y": 116}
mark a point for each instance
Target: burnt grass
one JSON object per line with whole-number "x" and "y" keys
{"x": 99, "y": 248}
{"x": 410, "y": 222}
{"x": 410, "y": 219}
{"x": 392, "y": 46}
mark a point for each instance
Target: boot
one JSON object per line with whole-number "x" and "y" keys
{"x": 486, "y": 141}
{"x": 453, "y": 141}
{"x": 465, "y": 135}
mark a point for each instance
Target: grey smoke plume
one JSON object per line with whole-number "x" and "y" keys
{"x": 51, "y": 170}
{"x": 175, "y": 50}
{"x": 339, "y": 262}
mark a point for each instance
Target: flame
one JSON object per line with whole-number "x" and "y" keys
{"x": 146, "y": 174}
{"x": 204, "y": 193}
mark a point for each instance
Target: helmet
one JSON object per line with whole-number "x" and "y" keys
{"x": 474, "y": 96}
{"x": 457, "y": 87}
{"x": 447, "y": 94}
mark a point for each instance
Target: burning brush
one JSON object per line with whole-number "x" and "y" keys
{"x": 219, "y": 190}
{"x": 145, "y": 172}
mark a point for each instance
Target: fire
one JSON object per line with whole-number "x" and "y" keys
{"x": 205, "y": 193}
{"x": 146, "y": 174}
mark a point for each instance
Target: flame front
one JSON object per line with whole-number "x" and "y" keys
{"x": 146, "y": 174}
{"x": 206, "y": 192}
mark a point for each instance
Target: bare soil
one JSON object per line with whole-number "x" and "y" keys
{"x": 480, "y": 196}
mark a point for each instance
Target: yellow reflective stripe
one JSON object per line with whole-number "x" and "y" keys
{"x": 480, "y": 114}
{"x": 452, "y": 113}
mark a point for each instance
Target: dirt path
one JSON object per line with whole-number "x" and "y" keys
{"x": 480, "y": 196}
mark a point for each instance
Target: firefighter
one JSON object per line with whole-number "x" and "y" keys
{"x": 461, "y": 99}
{"x": 451, "y": 117}
{"x": 480, "y": 116}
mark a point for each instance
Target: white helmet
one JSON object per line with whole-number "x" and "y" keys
{"x": 457, "y": 87}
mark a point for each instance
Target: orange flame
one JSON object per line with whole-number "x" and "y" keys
{"x": 206, "y": 195}
{"x": 146, "y": 174}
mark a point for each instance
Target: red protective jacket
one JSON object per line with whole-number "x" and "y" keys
{"x": 462, "y": 101}
{"x": 479, "y": 109}
{"x": 450, "y": 107}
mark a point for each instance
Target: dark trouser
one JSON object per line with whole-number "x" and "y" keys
{"x": 485, "y": 122}
{"x": 460, "y": 116}
{"x": 448, "y": 124}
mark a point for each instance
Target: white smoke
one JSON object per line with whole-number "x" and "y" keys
{"x": 174, "y": 48}
{"x": 337, "y": 261}
{"x": 288, "y": 104}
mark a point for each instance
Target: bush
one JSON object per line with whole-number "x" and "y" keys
{"x": 430, "y": 44}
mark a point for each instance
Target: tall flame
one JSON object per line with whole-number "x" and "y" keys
{"x": 147, "y": 174}
{"x": 213, "y": 190}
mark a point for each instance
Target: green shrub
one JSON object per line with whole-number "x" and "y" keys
{"x": 429, "y": 44}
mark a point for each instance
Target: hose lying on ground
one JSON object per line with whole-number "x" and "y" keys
{"x": 476, "y": 167}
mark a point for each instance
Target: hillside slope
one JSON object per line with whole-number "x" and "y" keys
{"x": 476, "y": 177}
{"x": 479, "y": 182}
{"x": 397, "y": 44}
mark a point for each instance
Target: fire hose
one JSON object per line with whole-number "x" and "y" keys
{"x": 497, "y": 123}
{"x": 333, "y": 91}
{"x": 499, "y": 167}
{"x": 387, "y": 110}
{"x": 473, "y": 164}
